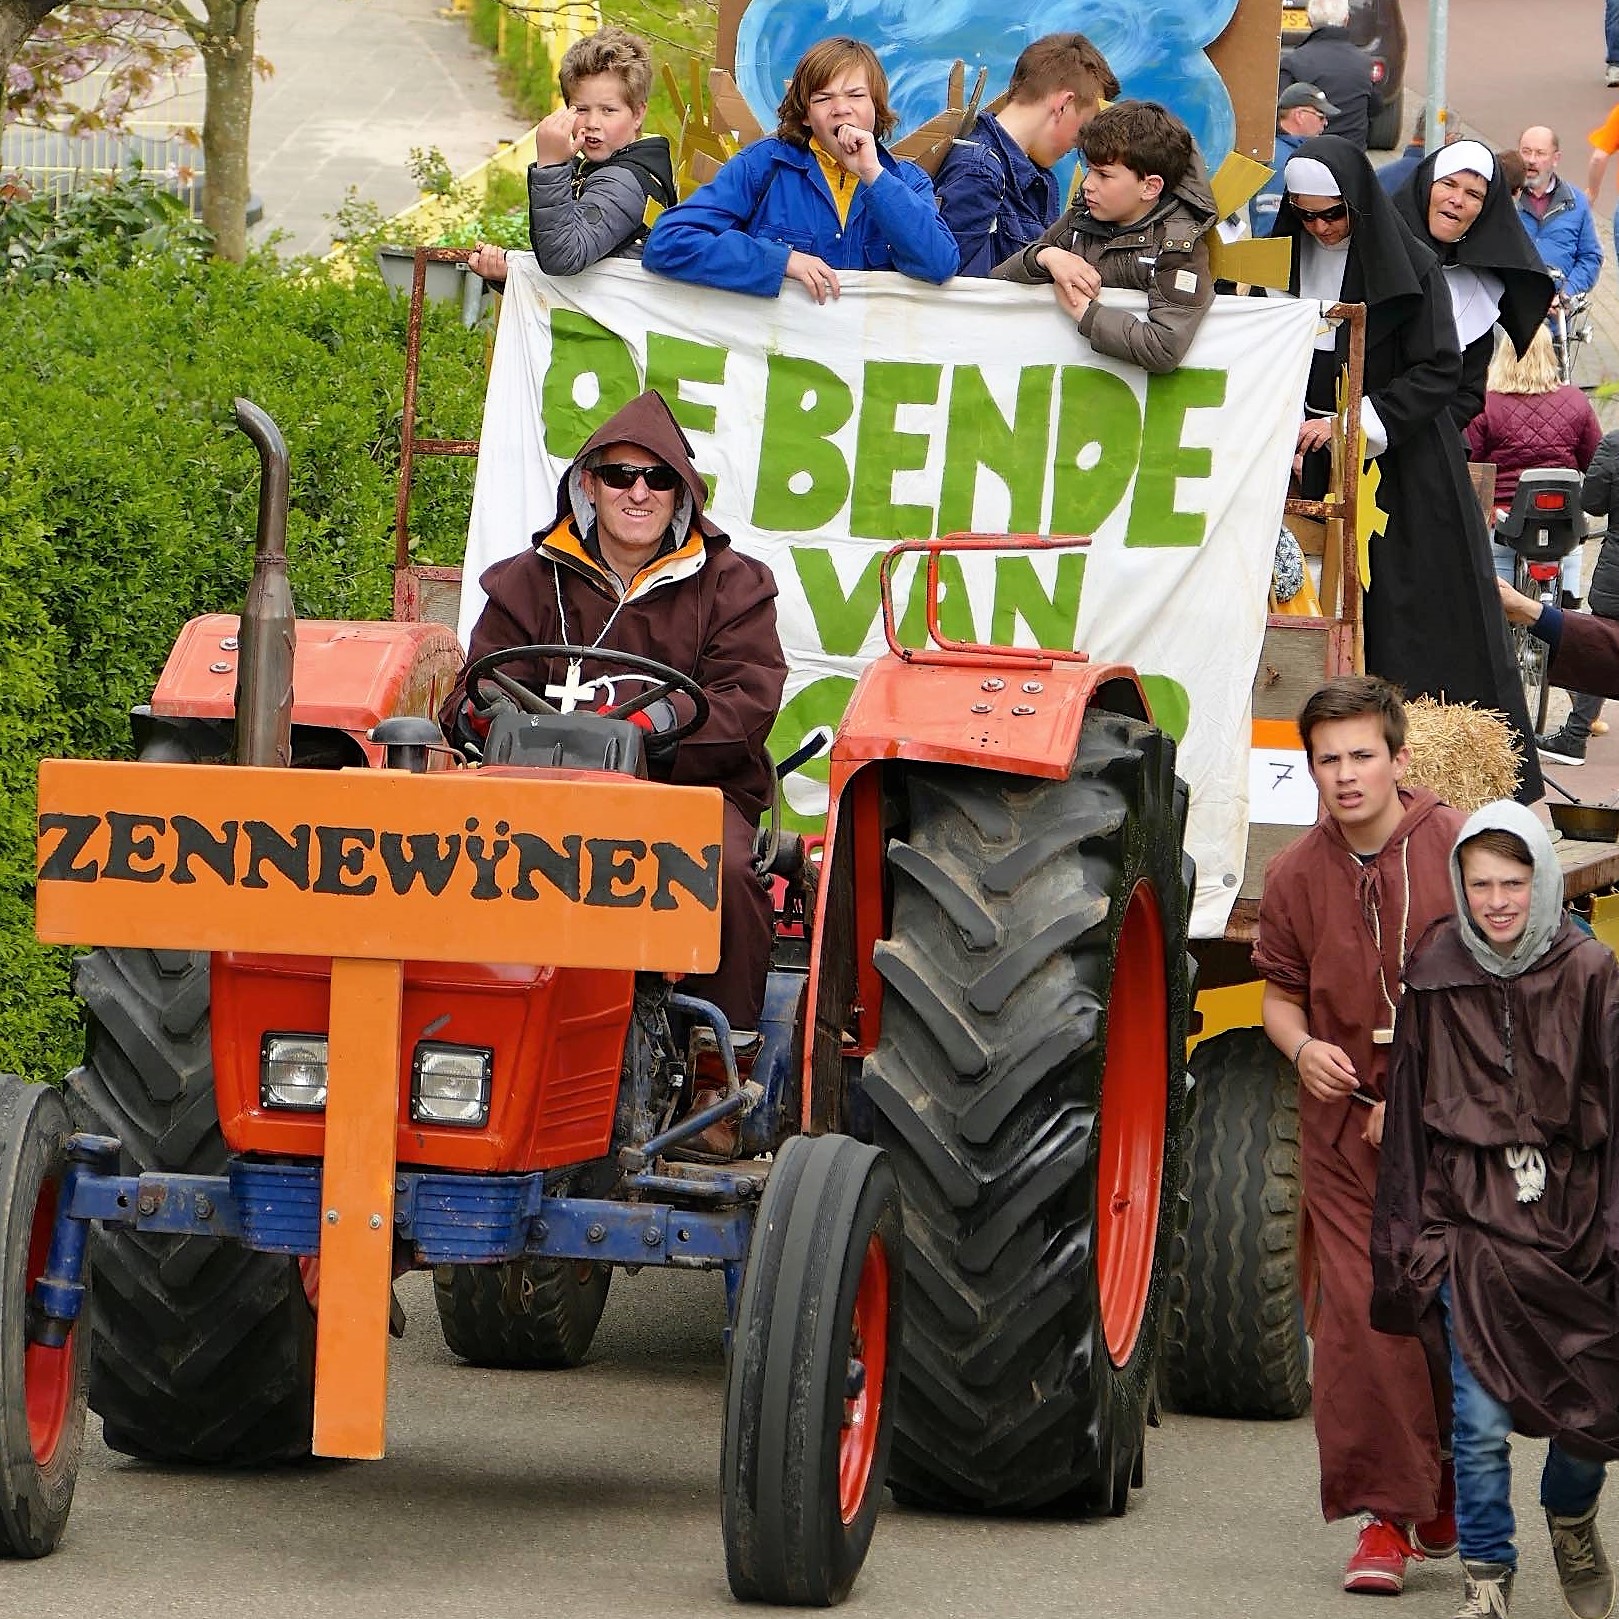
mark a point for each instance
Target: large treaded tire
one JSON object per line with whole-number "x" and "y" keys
{"x": 529, "y": 1314}
{"x": 201, "y": 1351}
{"x": 1009, "y": 903}
{"x": 1236, "y": 1344}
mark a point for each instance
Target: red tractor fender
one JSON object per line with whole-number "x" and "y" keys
{"x": 1013, "y": 710}
{"x": 346, "y": 676}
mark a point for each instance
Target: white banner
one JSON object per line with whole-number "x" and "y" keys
{"x": 902, "y": 411}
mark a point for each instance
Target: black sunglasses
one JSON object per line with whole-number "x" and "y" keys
{"x": 1327, "y": 215}
{"x": 622, "y": 475}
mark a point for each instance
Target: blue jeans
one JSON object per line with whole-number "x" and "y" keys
{"x": 1610, "y": 23}
{"x": 1483, "y": 1448}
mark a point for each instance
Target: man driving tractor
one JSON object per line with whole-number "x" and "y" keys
{"x": 631, "y": 564}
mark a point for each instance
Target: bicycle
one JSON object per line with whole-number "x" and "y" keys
{"x": 1544, "y": 526}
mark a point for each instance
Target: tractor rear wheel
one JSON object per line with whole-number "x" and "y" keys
{"x": 808, "y": 1412}
{"x": 42, "y": 1409}
{"x": 1236, "y": 1338}
{"x": 201, "y": 1350}
{"x": 1028, "y": 1089}
{"x": 528, "y": 1314}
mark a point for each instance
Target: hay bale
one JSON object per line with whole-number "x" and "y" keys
{"x": 1465, "y": 754}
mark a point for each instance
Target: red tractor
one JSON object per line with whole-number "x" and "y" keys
{"x": 360, "y": 1008}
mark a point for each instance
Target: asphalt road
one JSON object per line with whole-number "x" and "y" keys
{"x": 594, "y": 1494}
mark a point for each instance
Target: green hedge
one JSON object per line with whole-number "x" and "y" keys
{"x": 129, "y": 501}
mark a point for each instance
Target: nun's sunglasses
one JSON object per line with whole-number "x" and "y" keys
{"x": 622, "y": 475}
{"x": 1327, "y": 216}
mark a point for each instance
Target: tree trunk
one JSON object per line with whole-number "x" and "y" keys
{"x": 18, "y": 19}
{"x": 226, "y": 45}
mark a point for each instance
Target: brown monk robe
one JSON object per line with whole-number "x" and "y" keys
{"x": 1376, "y": 1421}
{"x": 1486, "y": 1066}
{"x": 696, "y": 605}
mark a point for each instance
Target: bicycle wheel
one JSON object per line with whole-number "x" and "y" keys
{"x": 1531, "y": 654}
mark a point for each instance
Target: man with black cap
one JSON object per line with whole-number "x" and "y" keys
{"x": 630, "y": 563}
{"x": 1302, "y": 111}
{"x": 1432, "y": 616}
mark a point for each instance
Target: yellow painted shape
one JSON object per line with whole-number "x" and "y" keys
{"x": 357, "y": 1211}
{"x": 1370, "y": 518}
{"x": 1267, "y": 262}
{"x": 1236, "y": 181}
{"x": 1605, "y": 920}
{"x": 1236, "y": 1006}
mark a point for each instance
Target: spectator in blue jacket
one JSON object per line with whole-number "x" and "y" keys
{"x": 996, "y": 189}
{"x": 1302, "y": 111}
{"x": 819, "y": 196}
{"x": 1557, "y": 217}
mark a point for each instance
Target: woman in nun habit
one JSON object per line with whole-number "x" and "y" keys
{"x": 1433, "y": 617}
{"x": 1458, "y": 202}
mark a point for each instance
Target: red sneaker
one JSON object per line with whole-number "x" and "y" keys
{"x": 1377, "y": 1565}
{"x": 1437, "y": 1536}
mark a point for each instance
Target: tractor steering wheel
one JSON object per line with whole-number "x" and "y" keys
{"x": 531, "y": 702}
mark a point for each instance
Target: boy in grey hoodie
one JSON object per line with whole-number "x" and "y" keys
{"x": 596, "y": 183}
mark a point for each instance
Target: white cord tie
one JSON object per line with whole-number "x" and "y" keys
{"x": 1528, "y": 1168}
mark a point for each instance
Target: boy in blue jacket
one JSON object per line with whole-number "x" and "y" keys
{"x": 819, "y": 196}
{"x": 996, "y": 189}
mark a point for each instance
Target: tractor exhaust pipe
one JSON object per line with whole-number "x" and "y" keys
{"x": 268, "y": 628}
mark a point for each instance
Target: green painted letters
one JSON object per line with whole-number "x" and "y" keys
{"x": 978, "y": 435}
{"x": 1053, "y": 620}
{"x": 881, "y": 450}
{"x": 580, "y": 348}
{"x": 1098, "y": 439}
{"x": 841, "y": 621}
{"x": 1154, "y": 519}
{"x": 805, "y": 404}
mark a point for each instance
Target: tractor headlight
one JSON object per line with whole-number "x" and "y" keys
{"x": 292, "y": 1071}
{"x": 450, "y": 1084}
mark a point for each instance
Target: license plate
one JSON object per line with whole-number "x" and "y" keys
{"x": 1296, "y": 19}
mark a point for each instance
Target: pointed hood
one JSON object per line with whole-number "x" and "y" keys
{"x": 1546, "y": 889}
{"x": 646, "y": 421}
{"x": 1496, "y": 243}
{"x": 1387, "y": 263}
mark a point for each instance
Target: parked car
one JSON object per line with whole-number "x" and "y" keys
{"x": 1379, "y": 29}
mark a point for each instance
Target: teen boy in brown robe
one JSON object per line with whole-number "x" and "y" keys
{"x": 1341, "y": 908}
{"x": 1495, "y": 1206}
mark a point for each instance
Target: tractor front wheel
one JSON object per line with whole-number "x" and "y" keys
{"x": 1028, "y": 1089}
{"x": 528, "y": 1314}
{"x": 42, "y": 1388}
{"x": 808, "y": 1413}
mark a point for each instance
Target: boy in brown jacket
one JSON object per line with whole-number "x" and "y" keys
{"x": 1139, "y": 223}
